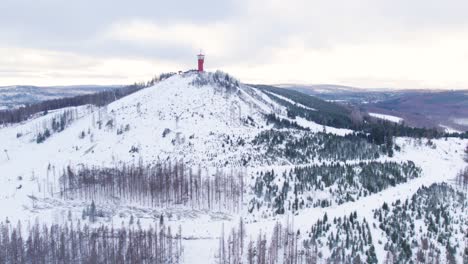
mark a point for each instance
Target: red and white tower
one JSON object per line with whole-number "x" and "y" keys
{"x": 201, "y": 60}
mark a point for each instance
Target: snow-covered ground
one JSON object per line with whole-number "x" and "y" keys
{"x": 439, "y": 164}
{"x": 314, "y": 127}
{"x": 180, "y": 121}
{"x": 449, "y": 129}
{"x": 292, "y": 102}
{"x": 171, "y": 120}
{"x": 391, "y": 118}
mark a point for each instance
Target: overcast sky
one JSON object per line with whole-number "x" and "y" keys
{"x": 365, "y": 43}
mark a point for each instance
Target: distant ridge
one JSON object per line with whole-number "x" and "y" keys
{"x": 18, "y": 95}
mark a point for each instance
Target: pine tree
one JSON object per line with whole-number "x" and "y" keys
{"x": 92, "y": 212}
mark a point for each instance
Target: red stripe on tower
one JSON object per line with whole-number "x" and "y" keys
{"x": 201, "y": 60}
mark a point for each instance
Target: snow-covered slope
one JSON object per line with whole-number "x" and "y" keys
{"x": 390, "y": 118}
{"x": 177, "y": 119}
{"x": 173, "y": 119}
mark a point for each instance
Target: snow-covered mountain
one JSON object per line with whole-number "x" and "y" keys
{"x": 221, "y": 141}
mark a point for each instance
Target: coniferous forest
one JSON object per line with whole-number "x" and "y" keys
{"x": 426, "y": 228}
{"x": 305, "y": 146}
{"x": 462, "y": 178}
{"x": 295, "y": 189}
{"x": 466, "y": 154}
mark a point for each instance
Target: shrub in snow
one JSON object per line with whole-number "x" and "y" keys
{"x": 134, "y": 149}
{"x": 165, "y": 132}
{"x": 218, "y": 79}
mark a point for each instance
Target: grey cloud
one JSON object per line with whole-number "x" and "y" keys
{"x": 76, "y": 26}
{"x": 80, "y": 20}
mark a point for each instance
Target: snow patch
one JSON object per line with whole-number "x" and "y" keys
{"x": 314, "y": 127}
{"x": 390, "y": 118}
{"x": 291, "y": 101}
{"x": 449, "y": 129}
{"x": 461, "y": 121}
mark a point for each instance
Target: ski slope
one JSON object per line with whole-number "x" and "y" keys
{"x": 390, "y": 118}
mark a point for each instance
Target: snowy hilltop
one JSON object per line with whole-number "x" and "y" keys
{"x": 202, "y": 168}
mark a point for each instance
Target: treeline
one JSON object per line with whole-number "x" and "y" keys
{"x": 462, "y": 178}
{"x": 383, "y": 137}
{"x": 466, "y": 154}
{"x": 56, "y": 124}
{"x": 159, "y": 185}
{"x": 305, "y": 146}
{"x": 329, "y": 114}
{"x": 98, "y": 99}
{"x": 378, "y": 131}
{"x": 280, "y": 123}
{"x": 58, "y": 244}
{"x": 284, "y": 246}
{"x": 442, "y": 210}
{"x": 348, "y": 239}
{"x": 381, "y": 131}
{"x": 342, "y": 240}
{"x": 293, "y": 190}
